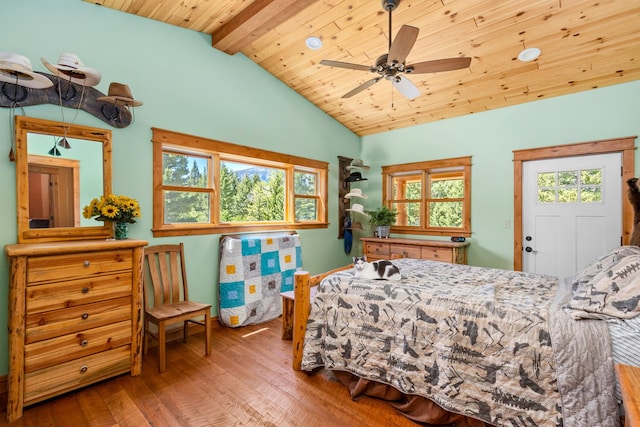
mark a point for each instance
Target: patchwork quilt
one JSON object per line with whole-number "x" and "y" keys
{"x": 253, "y": 272}
{"x": 478, "y": 341}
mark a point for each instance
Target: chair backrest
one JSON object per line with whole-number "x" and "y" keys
{"x": 165, "y": 270}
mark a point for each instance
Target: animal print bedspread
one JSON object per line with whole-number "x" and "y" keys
{"x": 474, "y": 340}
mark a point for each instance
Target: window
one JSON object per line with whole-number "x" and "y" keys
{"x": 583, "y": 186}
{"x": 432, "y": 197}
{"x": 206, "y": 186}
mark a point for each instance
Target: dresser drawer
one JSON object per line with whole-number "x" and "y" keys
{"x": 45, "y": 383}
{"x": 377, "y": 250}
{"x": 58, "y": 267}
{"x": 437, "y": 254}
{"x": 55, "y": 323}
{"x": 404, "y": 251}
{"x": 72, "y": 293}
{"x": 62, "y": 349}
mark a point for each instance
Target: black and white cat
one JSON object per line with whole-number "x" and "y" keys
{"x": 377, "y": 270}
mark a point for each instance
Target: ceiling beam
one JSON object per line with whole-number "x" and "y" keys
{"x": 255, "y": 20}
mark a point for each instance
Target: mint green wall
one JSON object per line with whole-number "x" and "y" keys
{"x": 186, "y": 86}
{"x": 490, "y": 138}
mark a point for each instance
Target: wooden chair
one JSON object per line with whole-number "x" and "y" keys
{"x": 167, "y": 298}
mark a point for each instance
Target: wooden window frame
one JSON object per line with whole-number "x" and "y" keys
{"x": 164, "y": 140}
{"x": 424, "y": 169}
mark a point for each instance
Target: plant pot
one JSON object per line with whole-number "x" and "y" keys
{"x": 383, "y": 231}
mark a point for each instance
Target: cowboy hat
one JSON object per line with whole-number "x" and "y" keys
{"x": 71, "y": 66}
{"x": 356, "y": 225}
{"x": 119, "y": 93}
{"x": 17, "y": 69}
{"x": 355, "y": 192}
{"x": 358, "y": 208}
{"x": 355, "y": 176}
{"x": 357, "y": 164}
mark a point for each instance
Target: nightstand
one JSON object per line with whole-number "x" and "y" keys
{"x": 629, "y": 377}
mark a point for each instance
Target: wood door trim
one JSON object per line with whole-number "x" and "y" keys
{"x": 625, "y": 145}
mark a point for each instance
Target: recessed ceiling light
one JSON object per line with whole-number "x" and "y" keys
{"x": 529, "y": 54}
{"x": 313, "y": 42}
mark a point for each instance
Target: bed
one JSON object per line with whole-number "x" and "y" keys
{"x": 490, "y": 346}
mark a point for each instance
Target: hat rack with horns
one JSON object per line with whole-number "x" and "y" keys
{"x": 114, "y": 108}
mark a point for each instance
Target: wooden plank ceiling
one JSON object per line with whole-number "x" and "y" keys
{"x": 585, "y": 44}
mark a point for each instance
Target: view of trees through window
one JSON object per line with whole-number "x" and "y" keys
{"x": 570, "y": 186}
{"x": 444, "y": 199}
{"x": 185, "y": 175}
{"x": 445, "y": 207}
{"x": 248, "y": 193}
{"x": 206, "y": 186}
{"x": 431, "y": 197}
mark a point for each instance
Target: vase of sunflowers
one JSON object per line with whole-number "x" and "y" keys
{"x": 119, "y": 210}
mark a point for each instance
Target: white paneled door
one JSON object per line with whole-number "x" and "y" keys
{"x": 571, "y": 212}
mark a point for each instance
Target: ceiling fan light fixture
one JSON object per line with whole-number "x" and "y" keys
{"x": 529, "y": 54}
{"x": 313, "y": 43}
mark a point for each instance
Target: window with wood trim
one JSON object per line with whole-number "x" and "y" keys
{"x": 432, "y": 197}
{"x": 205, "y": 186}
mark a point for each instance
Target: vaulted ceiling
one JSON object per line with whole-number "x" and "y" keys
{"x": 585, "y": 44}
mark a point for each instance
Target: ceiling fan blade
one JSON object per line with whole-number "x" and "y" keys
{"x": 402, "y": 44}
{"x": 345, "y": 65}
{"x": 437, "y": 65}
{"x": 362, "y": 87}
{"x": 406, "y": 87}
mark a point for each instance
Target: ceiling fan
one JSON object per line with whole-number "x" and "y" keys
{"x": 391, "y": 66}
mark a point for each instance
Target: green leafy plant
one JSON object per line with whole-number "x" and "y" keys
{"x": 382, "y": 216}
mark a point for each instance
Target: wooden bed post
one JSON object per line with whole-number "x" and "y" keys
{"x": 301, "y": 306}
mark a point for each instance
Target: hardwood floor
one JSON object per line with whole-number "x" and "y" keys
{"x": 246, "y": 381}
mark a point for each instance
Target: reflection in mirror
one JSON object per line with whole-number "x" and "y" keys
{"x": 59, "y": 169}
{"x": 60, "y": 185}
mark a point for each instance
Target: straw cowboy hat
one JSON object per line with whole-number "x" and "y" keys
{"x": 72, "y": 67}
{"x": 357, "y": 164}
{"x": 120, "y": 93}
{"x": 358, "y": 208}
{"x": 355, "y": 192}
{"x": 17, "y": 69}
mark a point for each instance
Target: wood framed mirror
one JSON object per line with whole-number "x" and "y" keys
{"x": 54, "y": 183}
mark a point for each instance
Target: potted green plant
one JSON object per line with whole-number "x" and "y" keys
{"x": 382, "y": 218}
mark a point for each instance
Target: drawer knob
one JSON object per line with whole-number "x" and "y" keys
{"x": 85, "y": 316}
{"x": 84, "y": 343}
{"x": 87, "y": 263}
{"x": 84, "y": 369}
{"x": 85, "y": 290}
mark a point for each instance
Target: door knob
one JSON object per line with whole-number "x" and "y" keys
{"x": 529, "y": 249}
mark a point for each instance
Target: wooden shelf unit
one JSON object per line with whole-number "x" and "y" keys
{"x": 75, "y": 316}
{"x": 435, "y": 250}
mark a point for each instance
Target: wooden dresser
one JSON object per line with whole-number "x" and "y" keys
{"x": 435, "y": 250}
{"x": 75, "y": 316}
